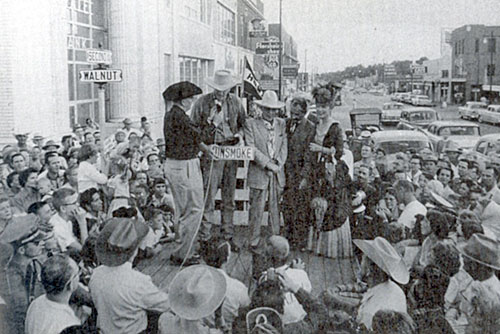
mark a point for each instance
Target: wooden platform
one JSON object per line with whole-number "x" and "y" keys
{"x": 323, "y": 272}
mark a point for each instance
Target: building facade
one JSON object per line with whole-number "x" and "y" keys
{"x": 476, "y": 62}
{"x": 153, "y": 42}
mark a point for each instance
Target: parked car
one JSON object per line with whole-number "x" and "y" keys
{"x": 404, "y": 97}
{"x": 417, "y": 117}
{"x": 394, "y": 141}
{"x": 485, "y": 146}
{"x": 395, "y": 97}
{"x": 391, "y": 113}
{"x": 421, "y": 100}
{"x": 490, "y": 115}
{"x": 471, "y": 110}
{"x": 464, "y": 134}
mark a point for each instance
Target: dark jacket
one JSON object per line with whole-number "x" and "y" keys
{"x": 182, "y": 137}
{"x": 298, "y": 163}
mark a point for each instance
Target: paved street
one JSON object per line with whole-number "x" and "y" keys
{"x": 369, "y": 100}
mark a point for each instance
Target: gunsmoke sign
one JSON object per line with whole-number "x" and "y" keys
{"x": 233, "y": 152}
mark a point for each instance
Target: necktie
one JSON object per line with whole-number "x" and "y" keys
{"x": 270, "y": 138}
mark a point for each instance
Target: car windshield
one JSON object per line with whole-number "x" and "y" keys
{"x": 422, "y": 116}
{"x": 459, "y": 131}
{"x": 477, "y": 105}
{"x": 391, "y": 147}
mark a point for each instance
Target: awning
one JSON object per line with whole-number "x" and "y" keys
{"x": 494, "y": 88}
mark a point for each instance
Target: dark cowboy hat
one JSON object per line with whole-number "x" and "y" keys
{"x": 118, "y": 240}
{"x": 181, "y": 90}
{"x": 49, "y": 144}
{"x": 482, "y": 249}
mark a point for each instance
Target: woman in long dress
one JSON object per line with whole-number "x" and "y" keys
{"x": 330, "y": 235}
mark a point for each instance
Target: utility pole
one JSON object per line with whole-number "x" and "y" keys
{"x": 281, "y": 53}
{"x": 492, "y": 45}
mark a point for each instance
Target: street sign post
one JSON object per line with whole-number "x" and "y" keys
{"x": 99, "y": 57}
{"x": 100, "y": 75}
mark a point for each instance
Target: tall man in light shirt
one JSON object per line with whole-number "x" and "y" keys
{"x": 220, "y": 116}
{"x": 405, "y": 194}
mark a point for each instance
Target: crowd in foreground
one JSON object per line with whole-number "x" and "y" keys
{"x": 76, "y": 219}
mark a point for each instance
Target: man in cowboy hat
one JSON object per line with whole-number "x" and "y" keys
{"x": 182, "y": 166}
{"x": 266, "y": 173}
{"x": 38, "y": 140}
{"x": 128, "y": 129}
{"x": 220, "y": 116}
{"x": 195, "y": 293}
{"x": 381, "y": 268}
{"x": 123, "y": 295}
{"x": 481, "y": 300}
{"x": 22, "y": 141}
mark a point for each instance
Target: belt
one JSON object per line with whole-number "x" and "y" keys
{"x": 120, "y": 197}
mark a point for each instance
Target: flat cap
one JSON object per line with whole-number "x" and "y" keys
{"x": 181, "y": 90}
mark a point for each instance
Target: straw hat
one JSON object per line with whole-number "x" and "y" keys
{"x": 383, "y": 254}
{"x": 118, "y": 240}
{"x": 482, "y": 249}
{"x": 270, "y": 100}
{"x": 197, "y": 291}
{"x": 222, "y": 80}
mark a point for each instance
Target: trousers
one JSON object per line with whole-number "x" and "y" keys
{"x": 186, "y": 182}
{"x": 258, "y": 199}
{"x": 222, "y": 175}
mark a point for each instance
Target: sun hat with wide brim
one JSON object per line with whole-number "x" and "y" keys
{"x": 483, "y": 250}
{"x": 385, "y": 256}
{"x": 270, "y": 100}
{"x": 197, "y": 291}
{"x": 222, "y": 80}
{"x": 118, "y": 240}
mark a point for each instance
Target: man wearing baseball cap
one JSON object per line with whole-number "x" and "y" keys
{"x": 23, "y": 271}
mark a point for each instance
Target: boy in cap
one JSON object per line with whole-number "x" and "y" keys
{"x": 23, "y": 271}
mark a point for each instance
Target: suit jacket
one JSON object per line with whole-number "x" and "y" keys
{"x": 256, "y": 135}
{"x": 298, "y": 162}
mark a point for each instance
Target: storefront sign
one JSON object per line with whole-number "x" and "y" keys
{"x": 269, "y": 84}
{"x": 290, "y": 71}
{"x": 257, "y": 28}
{"x": 79, "y": 43}
{"x": 233, "y": 152}
{"x": 101, "y": 76}
{"x": 99, "y": 57}
{"x": 271, "y": 45}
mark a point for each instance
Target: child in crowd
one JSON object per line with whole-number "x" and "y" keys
{"x": 45, "y": 190}
{"x": 118, "y": 184}
{"x": 162, "y": 195}
{"x": 159, "y": 221}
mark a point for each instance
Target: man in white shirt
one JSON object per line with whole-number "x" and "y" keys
{"x": 65, "y": 202}
{"x": 405, "y": 194}
{"x": 489, "y": 180}
{"x": 123, "y": 295}
{"x": 50, "y": 313}
{"x": 217, "y": 255}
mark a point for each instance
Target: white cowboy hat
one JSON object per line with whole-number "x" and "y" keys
{"x": 197, "y": 291}
{"x": 482, "y": 249}
{"x": 270, "y": 100}
{"x": 222, "y": 80}
{"x": 383, "y": 254}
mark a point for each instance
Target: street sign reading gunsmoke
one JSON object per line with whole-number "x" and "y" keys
{"x": 102, "y": 76}
{"x": 233, "y": 152}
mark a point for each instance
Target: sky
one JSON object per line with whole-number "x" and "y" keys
{"x": 340, "y": 33}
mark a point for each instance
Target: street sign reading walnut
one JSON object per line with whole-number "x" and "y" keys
{"x": 100, "y": 76}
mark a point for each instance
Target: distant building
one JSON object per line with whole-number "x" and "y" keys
{"x": 475, "y": 62}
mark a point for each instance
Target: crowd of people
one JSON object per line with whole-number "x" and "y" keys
{"x": 78, "y": 215}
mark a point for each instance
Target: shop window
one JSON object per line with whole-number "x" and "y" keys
{"x": 198, "y": 10}
{"x": 225, "y": 25}
{"x": 444, "y": 74}
{"x": 194, "y": 70}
